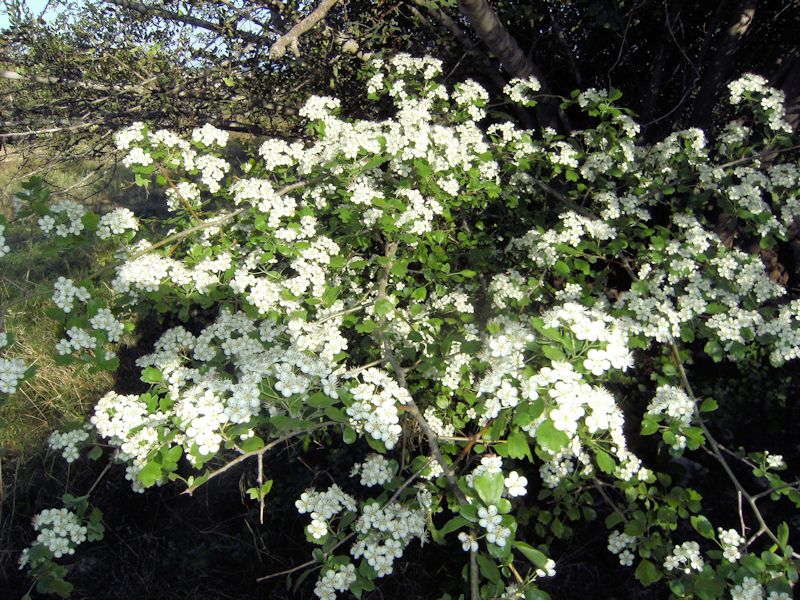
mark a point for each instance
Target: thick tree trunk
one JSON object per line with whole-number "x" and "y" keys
{"x": 491, "y": 31}
{"x": 789, "y": 82}
{"x": 721, "y": 66}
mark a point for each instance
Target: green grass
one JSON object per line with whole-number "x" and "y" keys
{"x": 56, "y": 395}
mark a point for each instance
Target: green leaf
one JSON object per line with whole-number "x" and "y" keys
{"x": 489, "y": 487}
{"x": 349, "y": 435}
{"x": 336, "y": 414}
{"x": 709, "y": 405}
{"x": 647, "y": 573}
{"x": 783, "y": 534}
{"x": 452, "y": 525}
{"x": 562, "y": 268}
{"x": 173, "y": 455}
{"x": 550, "y": 438}
{"x": 150, "y": 474}
{"x": 95, "y": 453}
{"x": 553, "y": 353}
{"x": 532, "y": 554}
{"x": 251, "y": 444}
{"x": 518, "y": 446}
{"x": 604, "y": 461}
{"x": 703, "y": 527}
{"x": 151, "y": 375}
{"x": 419, "y": 294}
{"x": 320, "y": 400}
{"x": 488, "y": 568}
{"x": 383, "y": 306}
{"x": 649, "y": 426}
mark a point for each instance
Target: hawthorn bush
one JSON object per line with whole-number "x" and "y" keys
{"x": 476, "y": 304}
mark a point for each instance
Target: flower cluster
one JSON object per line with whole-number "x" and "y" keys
{"x": 65, "y": 292}
{"x": 491, "y": 520}
{"x": 621, "y": 544}
{"x": 375, "y": 470}
{"x": 322, "y": 507}
{"x": 12, "y": 371}
{"x": 67, "y": 442}
{"x": 335, "y": 580}
{"x": 209, "y": 135}
{"x": 4, "y": 248}
{"x": 116, "y": 222}
{"x": 731, "y": 543}
{"x": 65, "y": 219}
{"x": 105, "y": 320}
{"x": 770, "y": 100}
{"x": 77, "y": 339}
{"x": 521, "y": 91}
{"x": 375, "y": 408}
{"x": 673, "y": 402}
{"x": 60, "y": 531}
{"x": 685, "y": 557}
{"x": 384, "y": 532}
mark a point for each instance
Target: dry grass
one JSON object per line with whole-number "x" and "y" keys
{"x": 56, "y": 395}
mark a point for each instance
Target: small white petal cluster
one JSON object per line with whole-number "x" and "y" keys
{"x": 549, "y": 569}
{"x": 490, "y": 520}
{"x": 116, "y": 222}
{"x": 384, "y": 533}
{"x": 184, "y": 192}
{"x": 620, "y": 543}
{"x": 419, "y": 213}
{"x": 769, "y": 99}
{"x": 137, "y": 156}
{"x": 209, "y": 135}
{"x": 106, "y": 321}
{"x": 375, "y": 470}
{"x": 4, "y": 248}
{"x": 375, "y": 408}
{"x": 335, "y": 580}
{"x": 516, "y": 484}
{"x": 261, "y": 194}
{"x": 673, "y": 402}
{"x": 593, "y": 325}
{"x": 521, "y": 91}
{"x": 77, "y": 339}
{"x": 773, "y": 461}
{"x": 212, "y": 170}
{"x": 60, "y": 531}
{"x": 731, "y": 543}
{"x": 12, "y": 370}
{"x": 67, "y": 442}
{"x": 65, "y": 219}
{"x": 490, "y": 464}
{"x": 541, "y": 246}
{"x": 471, "y": 96}
{"x": 146, "y": 273}
{"x": 436, "y": 423}
{"x": 126, "y": 422}
{"x": 685, "y": 557}
{"x": 468, "y": 543}
{"x": 507, "y": 288}
{"x": 126, "y": 138}
{"x": 748, "y": 589}
{"x": 3, "y": 339}
{"x": 278, "y": 153}
{"x": 322, "y": 507}
{"x": 65, "y": 292}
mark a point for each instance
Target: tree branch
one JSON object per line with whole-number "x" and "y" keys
{"x": 289, "y": 39}
{"x": 492, "y": 32}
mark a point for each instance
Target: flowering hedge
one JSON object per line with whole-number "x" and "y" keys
{"x": 460, "y": 296}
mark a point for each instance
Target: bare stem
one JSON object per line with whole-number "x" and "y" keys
{"x": 717, "y": 453}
